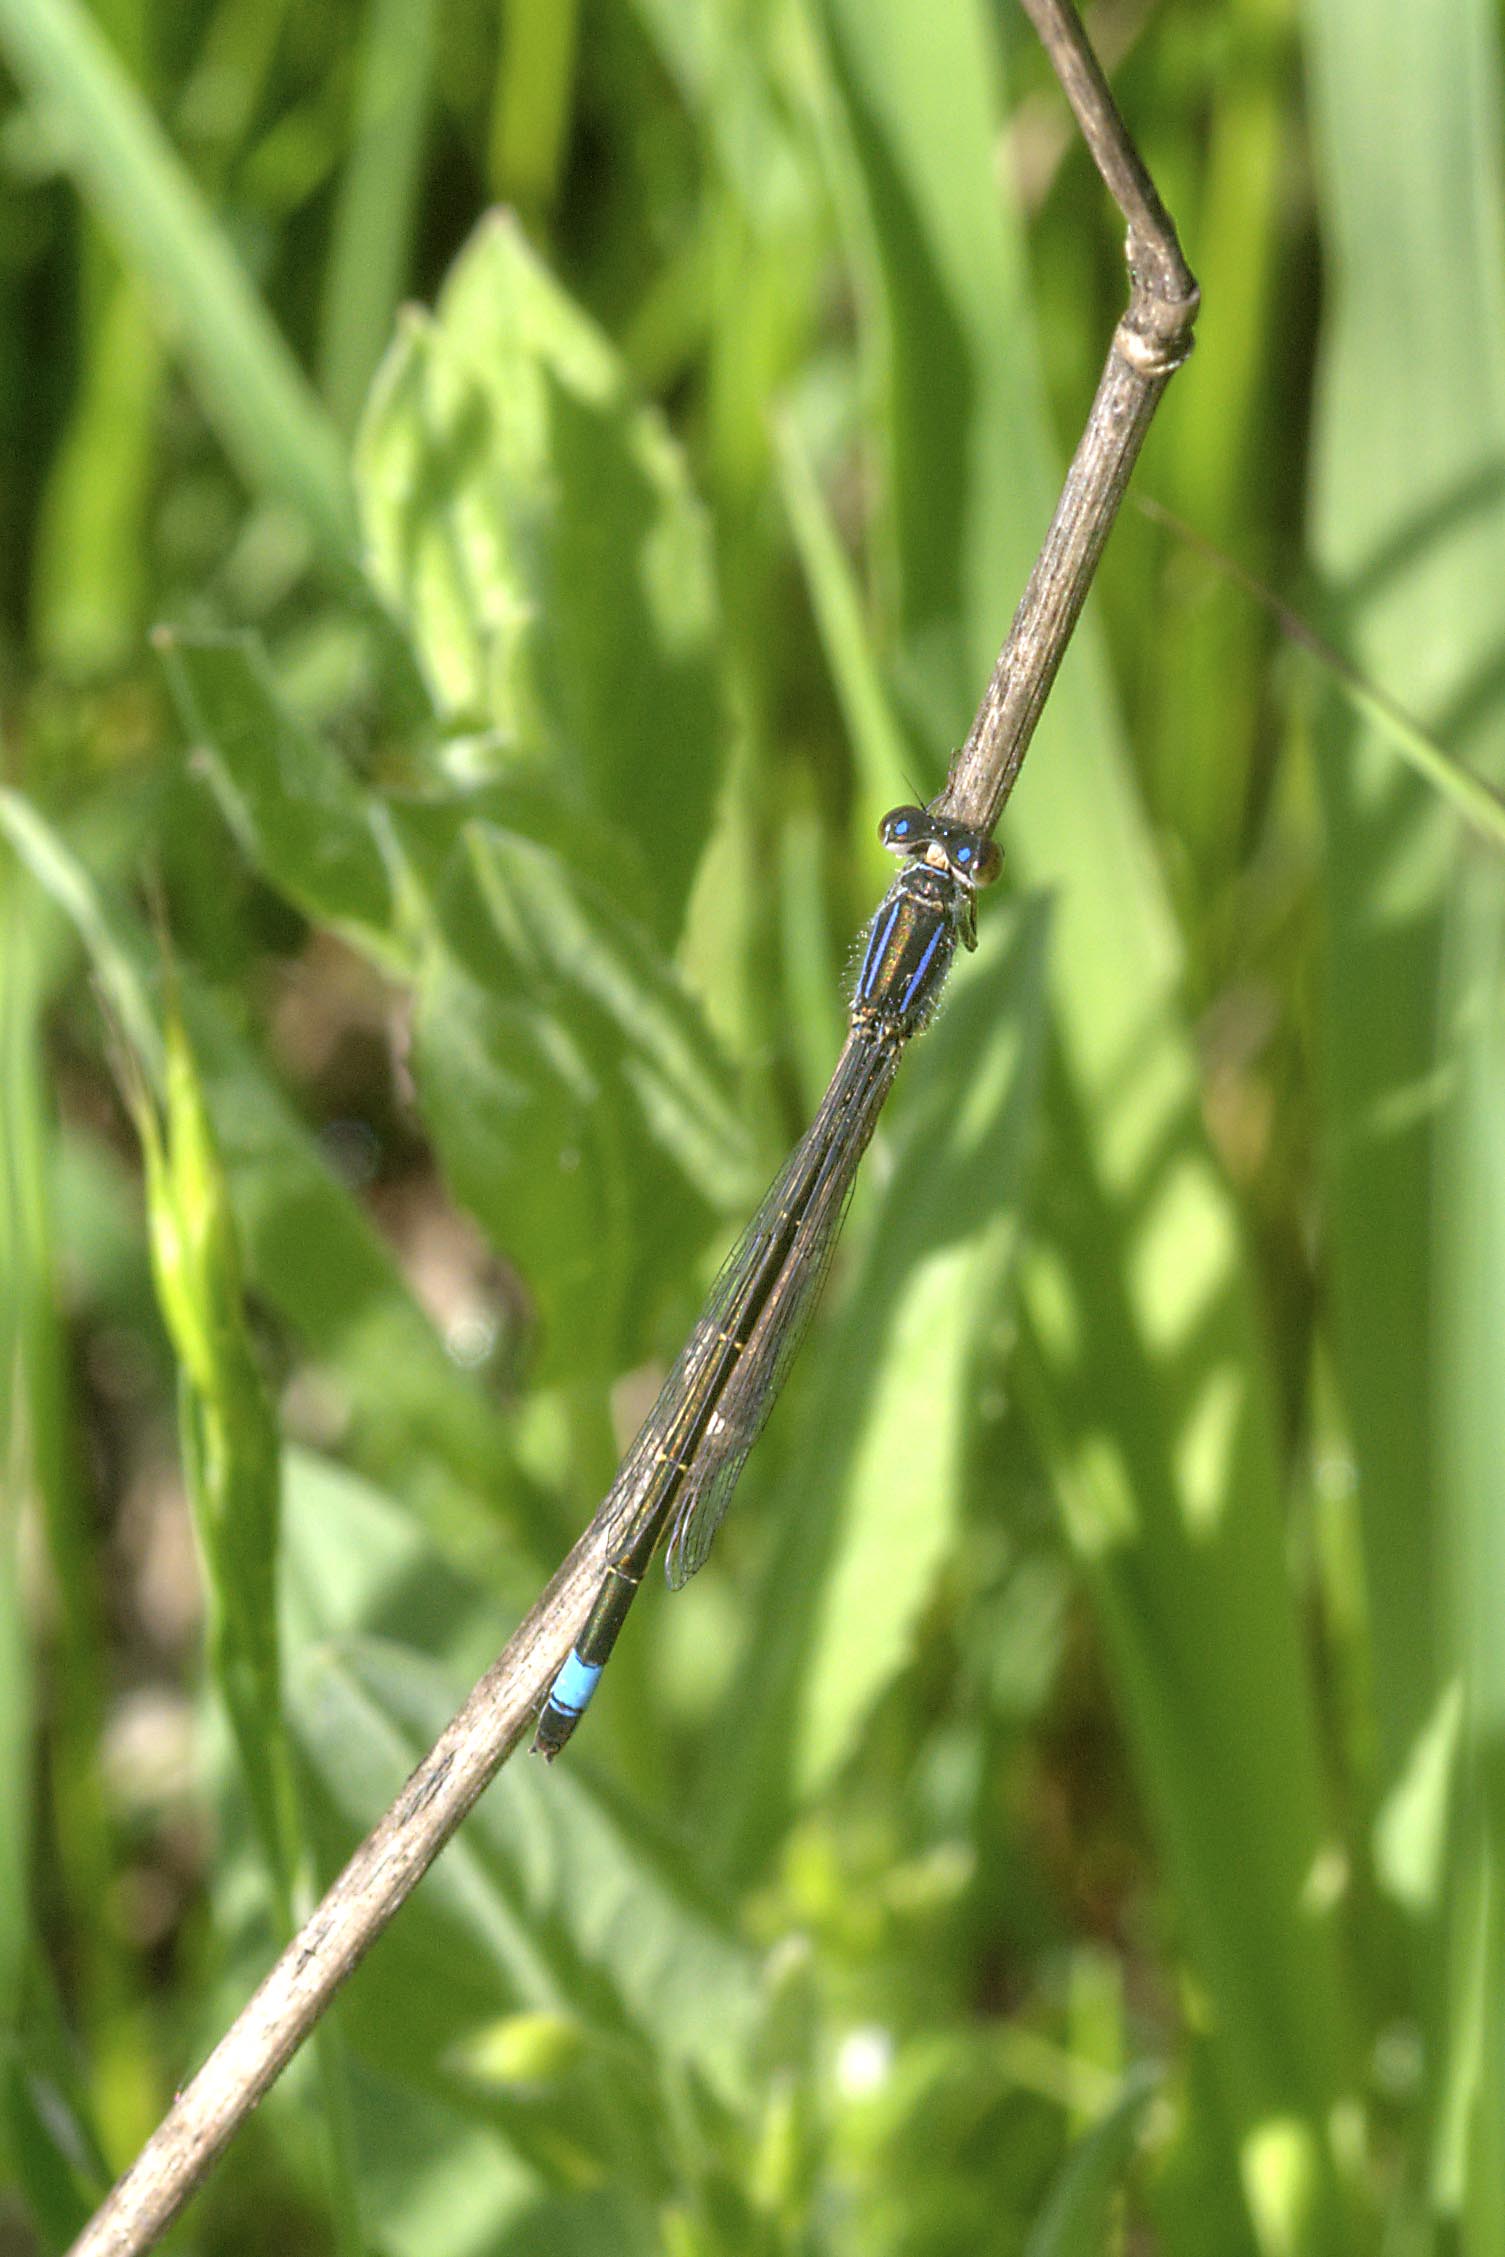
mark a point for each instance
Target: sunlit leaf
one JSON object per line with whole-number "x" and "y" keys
{"x": 535, "y": 527}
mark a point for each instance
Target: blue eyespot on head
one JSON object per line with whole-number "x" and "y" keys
{"x": 971, "y": 856}
{"x": 903, "y": 828}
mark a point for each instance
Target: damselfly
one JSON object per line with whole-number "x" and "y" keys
{"x": 680, "y": 1472}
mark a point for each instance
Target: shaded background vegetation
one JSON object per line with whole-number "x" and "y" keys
{"x": 1065, "y": 1813}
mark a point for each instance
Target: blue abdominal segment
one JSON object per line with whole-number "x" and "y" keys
{"x": 569, "y": 1696}
{"x": 574, "y": 1685}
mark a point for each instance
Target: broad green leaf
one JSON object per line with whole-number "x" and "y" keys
{"x": 309, "y": 1250}
{"x": 439, "y": 2180}
{"x": 536, "y": 529}
{"x": 527, "y": 1140}
{"x": 431, "y": 828}
{"x": 571, "y": 1092}
{"x": 569, "y": 1081}
{"x": 559, "y": 940}
{"x": 545, "y": 1903}
{"x": 293, "y": 803}
{"x": 355, "y": 1560}
{"x": 421, "y": 1419}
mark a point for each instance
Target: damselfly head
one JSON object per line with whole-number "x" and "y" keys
{"x": 965, "y": 853}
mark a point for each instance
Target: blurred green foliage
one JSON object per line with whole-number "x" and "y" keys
{"x": 442, "y": 754}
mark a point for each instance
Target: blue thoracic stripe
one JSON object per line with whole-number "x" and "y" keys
{"x": 574, "y": 1685}
{"x": 921, "y": 968}
{"x": 874, "y": 957}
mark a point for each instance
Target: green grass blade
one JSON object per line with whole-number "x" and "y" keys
{"x": 232, "y": 1472}
{"x": 90, "y": 570}
{"x": 355, "y": 1559}
{"x": 1471, "y": 1404}
{"x": 871, "y": 1500}
{"x": 1224, "y": 441}
{"x": 1077, "y": 2220}
{"x": 227, "y": 1431}
{"x": 63, "y": 876}
{"x": 1478, "y": 802}
{"x": 41, "y": 1468}
{"x": 17, "y": 1448}
{"x": 373, "y": 221}
{"x": 531, "y": 113}
{"x": 1153, "y": 1396}
{"x": 877, "y": 743}
{"x": 1409, "y": 537}
{"x": 268, "y": 419}
{"x": 49, "y": 2155}
{"x": 1418, "y": 613}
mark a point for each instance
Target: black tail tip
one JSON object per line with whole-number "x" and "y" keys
{"x": 547, "y": 1737}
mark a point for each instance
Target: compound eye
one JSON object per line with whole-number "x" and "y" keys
{"x": 985, "y": 860}
{"x": 902, "y": 828}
